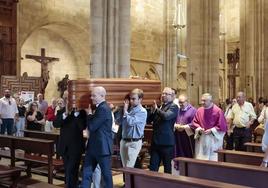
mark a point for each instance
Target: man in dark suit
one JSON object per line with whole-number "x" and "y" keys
{"x": 71, "y": 143}
{"x": 163, "y": 140}
{"x": 99, "y": 148}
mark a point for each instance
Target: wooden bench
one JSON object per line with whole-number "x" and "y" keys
{"x": 254, "y": 147}
{"x": 240, "y": 174}
{"x": 9, "y": 176}
{"x": 241, "y": 157}
{"x": 31, "y": 151}
{"x": 43, "y": 135}
{"x": 137, "y": 178}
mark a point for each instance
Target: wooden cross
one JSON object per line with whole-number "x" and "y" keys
{"x": 44, "y": 66}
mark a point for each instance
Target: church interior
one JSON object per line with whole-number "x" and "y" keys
{"x": 192, "y": 46}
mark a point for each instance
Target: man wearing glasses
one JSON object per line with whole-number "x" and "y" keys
{"x": 8, "y": 111}
{"x": 184, "y": 135}
{"x": 163, "y": 140}
{"x": 133, "y": 123}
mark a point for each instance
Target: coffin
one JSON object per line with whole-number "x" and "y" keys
{"x": 80, "y": 91}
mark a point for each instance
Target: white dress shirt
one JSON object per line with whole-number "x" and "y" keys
{"x": 8, "y": 108}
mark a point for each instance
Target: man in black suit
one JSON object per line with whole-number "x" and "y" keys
{"x": 163, "y": 140}
{"x": 71, "y": 143}
{"x": 99, "y": 147}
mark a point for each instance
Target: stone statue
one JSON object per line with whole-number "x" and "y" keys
{"x": 63, "y": 84}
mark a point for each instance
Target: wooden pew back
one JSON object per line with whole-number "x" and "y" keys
{"x": 42, "y": 135}
{"x": 246, "y": 175}
{"x": 241, "y": 157}
{"x": 137, "y": 178}
{"x": 254, "y": 147}
{"x": 34, "y": 145}
{"x": 31, "y": 146}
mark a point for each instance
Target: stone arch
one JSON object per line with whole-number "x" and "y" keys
{"x": 133, "y": 72}
{"x": 152, "y": 74}
{"x": 77, "y": 38}
{"x": 77, "y": 42}
{"x": 182, "y": 81}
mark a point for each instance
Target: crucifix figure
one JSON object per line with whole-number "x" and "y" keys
{"x": 44, "y": 66}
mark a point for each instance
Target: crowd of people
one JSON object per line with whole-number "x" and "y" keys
{"x": 179, "y": 130}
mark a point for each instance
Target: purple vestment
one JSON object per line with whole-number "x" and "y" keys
{"x": 210, "y": 118}
{"x": 184, "y": 144}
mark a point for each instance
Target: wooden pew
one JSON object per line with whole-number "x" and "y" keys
{"x": 43, "y": 135}
{"x": 9, "y": 176}
{"x": 35, "y": 151}
{"x": 137, "y": 178}
{"x": 254, "y": 147}
{"x": 241, "y": 157}
{"x": 240, "y": 174}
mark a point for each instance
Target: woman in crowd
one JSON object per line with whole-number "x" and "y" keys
{"x": 20, "y": 123}
{"x": 35, "y": 119}
{"x": 50, "y": 115}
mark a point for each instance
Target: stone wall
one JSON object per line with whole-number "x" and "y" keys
{"x": 62, "y": 27}
{"x": 147, "y": 35}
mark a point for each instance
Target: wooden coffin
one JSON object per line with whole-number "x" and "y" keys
{"x": 80, "y": 91}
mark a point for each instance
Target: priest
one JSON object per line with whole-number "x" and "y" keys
{"x": 210, "y": 127}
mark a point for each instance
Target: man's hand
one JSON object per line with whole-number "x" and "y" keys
{"x": 126, "y": 105}
{"x": 179, "y": 127}
{"x": 154, "y": 106}
{"x": 249, "y": 124}
{"x": 208, "y": 131}
{"x": 202, "y": 131}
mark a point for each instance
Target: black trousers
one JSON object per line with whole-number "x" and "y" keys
{"x": 71, "y": 168}
{"x": 241, "y": 136}
{"x": 229, "y": 141}
{"x": 160, "y": 154}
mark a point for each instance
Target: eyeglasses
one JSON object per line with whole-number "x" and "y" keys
{"x": 166, "y": 93}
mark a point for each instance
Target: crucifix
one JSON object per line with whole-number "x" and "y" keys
{"x": 44, "y": 66}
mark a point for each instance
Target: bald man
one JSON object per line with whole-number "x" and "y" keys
{"x": 242, "y": 117}
{"x": 184, "y": 137}
{"x": 210, "y": 127}
{"x": 99, "y": 148}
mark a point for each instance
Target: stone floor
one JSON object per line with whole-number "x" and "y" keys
{"x": 117, "y": 177}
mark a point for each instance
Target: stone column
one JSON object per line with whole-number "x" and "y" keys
{"x": 170, "y": 58}
{"x": 110, "y": 38}
{"x": 202, "y": 48}
{"x": 253, "y": 43}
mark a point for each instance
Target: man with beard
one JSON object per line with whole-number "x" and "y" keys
{"x": 8, "y": 112}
